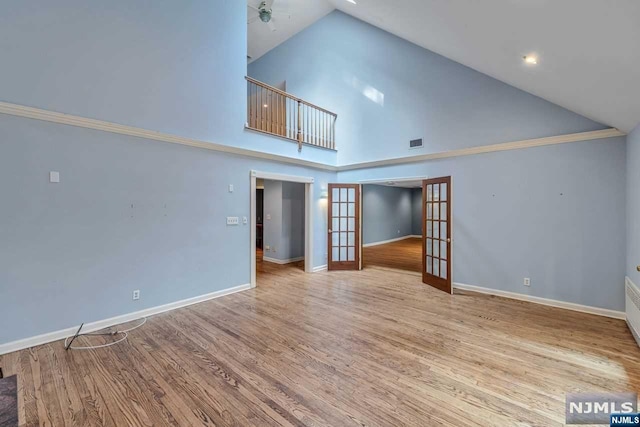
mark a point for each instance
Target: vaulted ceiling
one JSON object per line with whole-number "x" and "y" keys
{"x": 588, "y": 50}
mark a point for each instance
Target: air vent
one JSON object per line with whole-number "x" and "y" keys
{"x": 416, "y": 143}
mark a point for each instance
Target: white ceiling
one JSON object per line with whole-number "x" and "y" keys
{"x": 589, "y": 50}
{"x": 300, "y": 14}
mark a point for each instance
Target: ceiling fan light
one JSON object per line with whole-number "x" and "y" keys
{"x": 265, "y": 15}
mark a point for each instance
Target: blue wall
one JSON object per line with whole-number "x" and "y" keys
{"x": 128, "y": 214}
{"x": 416, "y": 211}
{"x": 283, "y": 220}
{"x": 554, "y": 214}
{"x": 387, "y": 91}
{"x": 176, "y": 67}
{"x": 633, "y": 205}
{"x": 386, "y": 213}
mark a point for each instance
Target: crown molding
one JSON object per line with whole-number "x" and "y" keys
{"x": 83, "y": 122}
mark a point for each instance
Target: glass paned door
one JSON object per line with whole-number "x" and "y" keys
{"x": 344, "y": 227}
{"x": 436, "y": 235}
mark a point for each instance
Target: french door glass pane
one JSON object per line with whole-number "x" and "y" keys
{"x": 443, "y": 269}
{"x": 352, "y": 209}
{"x": 335, "y": 195}
{"x": 436, "y": 230}
{"x": 352, "y": 224}
{"x": 351, "y": 254}
{"x": 336, "y": 224}
{"x": 343, "y": 194}
{"x": 335, "y": 239}
{"x": 429, "y": 211}
{"x": 436, "y": 193}
{"x": 343, "y": 209}
{"x": 429, "y": 193}
{"x": 436, "y": 211}
{"x": 443, "y": 249}
{"x": 429, "y": 229}
{"x": 343, "y": 224}
{"x": 436, "y": 268}
{"x": 352, "y": 195}
{"x": 343, "y": 254}
{"x": 443, "y": 230}
{"x": 352, "y": 239}
{"x": 429, "y": 265}
{"x": 443, "y": 211}
{"x": 443, "y": 192}
{"x": 429, "y": 246}
{"x": 335, "y": 254}
{"x": 343, "y": 239}
{"x": 436, "y": 249}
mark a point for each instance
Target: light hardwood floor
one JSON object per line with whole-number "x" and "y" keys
{"x": 347, "y": 348}
{"x": 401, "y": 255}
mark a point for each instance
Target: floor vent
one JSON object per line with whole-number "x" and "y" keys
{"x": 632, "y": 308}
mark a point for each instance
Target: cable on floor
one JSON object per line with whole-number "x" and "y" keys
{"x": 124, "y": 333}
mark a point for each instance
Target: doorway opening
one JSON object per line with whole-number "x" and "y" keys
{"x": 392, "y": 225}
{"x": 281, "y": 223}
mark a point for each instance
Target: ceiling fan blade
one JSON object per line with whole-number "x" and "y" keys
{"x": 269, "y": 3}
{"x": 271, "y": 25}
{"x": 250, "y": 6}
{"x": 252, "y": 20}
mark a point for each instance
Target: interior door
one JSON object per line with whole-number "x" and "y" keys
{"x": 436, "y": 233}
{"x": 344, "y": 227}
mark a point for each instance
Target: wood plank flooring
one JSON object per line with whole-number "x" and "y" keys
{"x": 401, "y": 255}
{"x": 370, "y": 348}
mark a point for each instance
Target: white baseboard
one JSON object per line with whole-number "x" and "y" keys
{"x": 544, "y": 301}
{"x": 106, "y": 323}
{"x": 282, "y": 261}
{"x": 320, "y": 268}
{"x": 397, "y": 239}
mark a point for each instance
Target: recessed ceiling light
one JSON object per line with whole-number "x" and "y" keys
{"x": 265, "y": 105}
{"x": 530, "y": 59}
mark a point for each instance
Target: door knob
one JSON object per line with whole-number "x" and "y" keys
{"x": 448, "y": 240}
{"x": 330, "y": 231}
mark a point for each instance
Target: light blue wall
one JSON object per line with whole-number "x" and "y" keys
{"x": 386, "y": 213}
{"x": 170, "y": 66}
{"x": 419, "y": 94}
{"x": 284, "y": 231}
{"x": 416, "y": 211}
{"x": 73, "y": 252}
{"x": 554, "y": 214}
{"x": 633, "y": 205}
{"x": 272, "y": 224}
{"x": 292, "y": 243}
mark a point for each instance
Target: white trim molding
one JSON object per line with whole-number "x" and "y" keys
{"x": 319, "y": 268}
{"x": 505, "y": 146}
{"x": 397, "y": 239}
{"x": 544, "y": 301}
{"x": 106, "y": 323}
{"x": 308, "y": 216}
{"x": 282, "y": 261}
{"x": 83, "y": 122}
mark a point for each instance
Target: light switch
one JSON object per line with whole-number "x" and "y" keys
{"x": 268, "y": 217}
{"x": 233, "y": 220}
{"x": 230, "y": 188}
{"x": 54, "y": 177}
{"x": 244, "y": 220}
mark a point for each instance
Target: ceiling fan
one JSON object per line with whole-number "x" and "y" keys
{"x": 266, "y": 14}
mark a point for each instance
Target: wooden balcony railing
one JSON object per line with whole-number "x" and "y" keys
{"x": 273, "y": 111}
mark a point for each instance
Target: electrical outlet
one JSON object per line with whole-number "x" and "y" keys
{"x": 233, "y": 220}
{"x": 527, "y": 281}
{"x": 267, "y": 248}
{"x": 136, "y": 295}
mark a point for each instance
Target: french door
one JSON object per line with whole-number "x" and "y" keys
{"x": 344, "y": 227}
{"x": 436, "y": 233}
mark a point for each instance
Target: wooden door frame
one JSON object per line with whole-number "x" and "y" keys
{"x": 358, "y": 228}
{"x": 438, "y": 284}
{"x": 308, "y": 216}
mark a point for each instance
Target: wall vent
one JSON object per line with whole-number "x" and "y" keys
{"x": 416, "y": 143}
{"x": 632, "y": 308}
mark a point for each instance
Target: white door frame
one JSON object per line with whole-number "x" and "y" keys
{"x": 308, "y": 216}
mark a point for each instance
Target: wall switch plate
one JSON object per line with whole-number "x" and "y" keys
{"x": 136, "y": 295}
{"x": 230, "y": 188}
{"x": 233, "y": 220}
{"x": 267, "y": 248}
{"x": 527, "y": 281}
{"x": 268, "y": 217}
{"x": 54, "y": 177}
{"x": 244, "y": 220}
